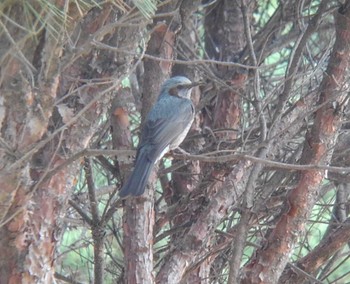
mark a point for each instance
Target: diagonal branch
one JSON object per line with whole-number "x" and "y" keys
{"x": 271, "y": 259}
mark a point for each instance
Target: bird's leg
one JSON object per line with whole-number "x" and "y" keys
{"x": 177, "y": 151}
{"x": 182, "y": 151}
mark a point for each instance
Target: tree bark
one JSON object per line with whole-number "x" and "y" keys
{"x": 48, "y": 113}
{"x": 270, "y": 261}
{"x": 139, "y": 216}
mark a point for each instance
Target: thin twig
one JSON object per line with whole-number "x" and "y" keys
{"x": 176, "y": 61}
{"x": 81, "y": 212}
{"x": 237, "y": 156}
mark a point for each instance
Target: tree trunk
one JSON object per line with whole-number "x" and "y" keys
{"x": 49, "y": 112}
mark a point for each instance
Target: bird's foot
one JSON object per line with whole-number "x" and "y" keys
{"x": 177, "y": 151}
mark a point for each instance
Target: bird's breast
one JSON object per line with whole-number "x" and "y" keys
{"x": 174, "y": 144}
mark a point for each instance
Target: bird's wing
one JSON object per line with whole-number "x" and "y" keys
{"x": 165, "y": 124}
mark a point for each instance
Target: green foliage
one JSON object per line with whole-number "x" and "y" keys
{"x": 147, "y": 7}
{"x": 76, "y": 249}
{"x": 76, "y": 253}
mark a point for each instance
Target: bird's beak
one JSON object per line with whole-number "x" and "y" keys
{"x": 194, "y": 84}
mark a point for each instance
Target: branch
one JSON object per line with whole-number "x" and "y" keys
{"x": 319, "y": 255}
{"x": 270, "y": 261}
{"x": 212, "y": 158}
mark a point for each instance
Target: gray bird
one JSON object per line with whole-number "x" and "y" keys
{"x": 165, "y": 127}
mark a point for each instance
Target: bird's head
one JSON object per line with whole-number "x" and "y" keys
{"x": 178, "y": 86}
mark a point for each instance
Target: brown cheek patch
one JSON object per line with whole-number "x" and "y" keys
{"x": 173, "y": 92}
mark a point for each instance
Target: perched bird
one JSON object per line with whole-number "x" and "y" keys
{"x": 165, "y": 127}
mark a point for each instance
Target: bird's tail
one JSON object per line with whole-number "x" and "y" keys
{"x": 138, "y": 180}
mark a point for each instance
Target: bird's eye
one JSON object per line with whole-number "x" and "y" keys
{"x": 179, "y": 87}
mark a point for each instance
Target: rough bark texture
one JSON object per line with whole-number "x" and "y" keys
{"x": 244, "y": 206}
{"x": 270, "y": 261}
{"x": 309, "y": 264}
{"x": 139, "y": 216}
{"x": 205, "y": 209}
{"x": 29, "y": 213}
{"x": 43, "y": 120}
{"x": 185, "y": 173}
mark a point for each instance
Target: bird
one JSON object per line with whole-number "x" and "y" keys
{"x": 164, "y": 129}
